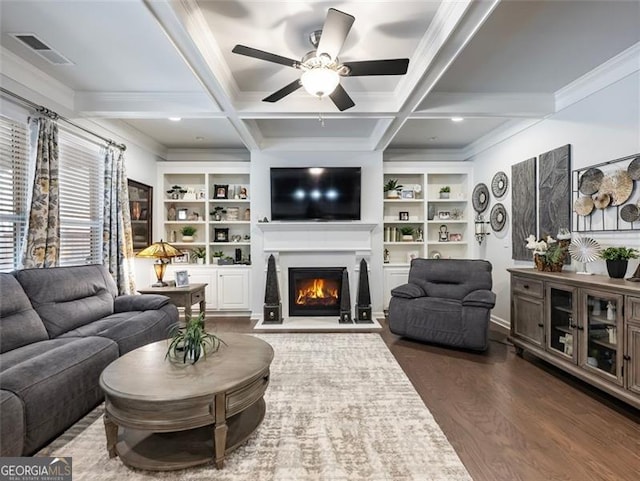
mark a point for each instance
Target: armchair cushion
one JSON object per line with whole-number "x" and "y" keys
{"x": 145, "y": 302}
{"x": 480, "y": 298}
{"x": 408, "y": 291}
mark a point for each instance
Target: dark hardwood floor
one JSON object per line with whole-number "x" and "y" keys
{"x": 512, "y": 419}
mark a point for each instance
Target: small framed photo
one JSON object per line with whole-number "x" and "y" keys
{"x": 183, "y": 259}
{"x": 455, "y": 237}
{"x": 412, "y": 255}
{"x": 404, "y": 215}
{"x": 442, "y": 215}
{"x": 221, "y": 235}
{"x": 202, "y": 194}
{"x": 407, "y": 194}
{"x": 183, "y": 214}
{"x": 182, "y": 278}
{"x": 244, "y": 192}
{"x": 221, "y": 191}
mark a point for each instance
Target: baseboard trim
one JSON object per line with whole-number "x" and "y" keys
{"x": 500, "y": 324}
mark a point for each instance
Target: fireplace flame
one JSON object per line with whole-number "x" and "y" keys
{"x": 316, "y": 291}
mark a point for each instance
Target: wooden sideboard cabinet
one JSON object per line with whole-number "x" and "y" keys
{"x": 588, "y": 326}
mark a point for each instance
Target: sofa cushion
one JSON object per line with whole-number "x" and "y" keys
{"x": 69, "y": 297}
{"x": 450, "y": 278}
{"x": 11, "y": 424}
{"x": 132, "y": 329}
{"x": 19, "y": 323}
{"x": 57, "y": 382}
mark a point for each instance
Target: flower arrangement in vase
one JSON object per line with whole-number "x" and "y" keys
{"x": 549, "y": 254}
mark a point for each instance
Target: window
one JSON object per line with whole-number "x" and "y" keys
{"x": 81, "y": 187}
{"x": 14, "y": 158}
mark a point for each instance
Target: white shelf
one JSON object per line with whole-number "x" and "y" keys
{"x": 447, "y": 200}
{"x": 189, "y": 244}
{"x": 230, "y": 243}
{"x": 448, "y": 221}
{"x": 460, "y": 243}
{"x": 229, "y": 201}
{"x": 403, "y": 221}
{"x": 184, "y": 201}
{"x": 405, "y": 243}
{"x": 222, "y": 222}
{"x": 403, "y": 201}
{"x": 184, "y": 222}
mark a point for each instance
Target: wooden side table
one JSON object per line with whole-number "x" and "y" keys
{"x": 185, "y": 296}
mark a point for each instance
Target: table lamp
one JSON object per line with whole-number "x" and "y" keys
{"x": 161, "y": 252}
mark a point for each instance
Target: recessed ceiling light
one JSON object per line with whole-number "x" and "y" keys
{"x": 175, "y": 119}
{"x": 199, "y": 139}
{"x": 457, "y": 119}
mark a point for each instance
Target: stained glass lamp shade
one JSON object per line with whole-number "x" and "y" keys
{"x": 162, "y": 252}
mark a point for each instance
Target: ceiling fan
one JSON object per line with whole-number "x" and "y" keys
{"x": 321, "y": 69}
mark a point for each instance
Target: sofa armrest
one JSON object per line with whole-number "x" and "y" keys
{"x": 480, "y": 298}
{"x": 144, "y": 302}
{"x": 408, "y": 291}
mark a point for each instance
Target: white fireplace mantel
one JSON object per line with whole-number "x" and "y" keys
{"x": 305, "y": 226}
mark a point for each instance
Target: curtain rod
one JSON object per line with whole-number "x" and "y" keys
{"x": 55, "y": 116}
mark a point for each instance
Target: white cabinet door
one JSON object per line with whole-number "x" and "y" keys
{"x": 233, "y": 289}
{"x": 393, "y": 277}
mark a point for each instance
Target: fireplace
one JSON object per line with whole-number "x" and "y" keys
{"x": 315, "y": 291}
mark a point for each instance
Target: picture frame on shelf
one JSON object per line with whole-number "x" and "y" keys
{"x": 183, "y": 259}
{"x": 202, "y": 194}
{"x": 221, "y": 191}
{"x": 455, "y": 237}
{"x": 444, "y": 215}
{"x": 221, "y": 235}
{"x": 407, "y": 194}
{"x": 403, "y": 215}
{"x": 183, "y": 214}
{"x": 182, "y": 278}
{"x": 244, "y": 192}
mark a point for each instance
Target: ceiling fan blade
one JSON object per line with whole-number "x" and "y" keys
{"x": 262, "y": 55}
{"x": 283, "y": 92}
{"x": 341, "y": 98}
{"x": 395, "y": 66}
{"x": 334, "y": 33}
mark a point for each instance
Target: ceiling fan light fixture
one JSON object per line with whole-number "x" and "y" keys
{"x": 320, "y": 82}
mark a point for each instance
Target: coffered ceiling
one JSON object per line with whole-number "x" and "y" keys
{"x": 137, "y": 63}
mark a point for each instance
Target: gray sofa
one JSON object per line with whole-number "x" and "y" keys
{"x": 446, "y": 301}
{"x": 59, "y": 328}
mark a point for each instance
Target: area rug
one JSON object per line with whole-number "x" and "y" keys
{"x": 339, "y": 407}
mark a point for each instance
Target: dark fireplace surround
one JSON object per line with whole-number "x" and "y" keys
{"x": 315, "y": 291}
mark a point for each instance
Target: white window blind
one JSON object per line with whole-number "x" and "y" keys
{"x": 81, "y": 186}
{"x": 14, "y": 159}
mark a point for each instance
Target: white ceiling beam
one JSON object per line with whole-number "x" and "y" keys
{"x": 446, "y": 104}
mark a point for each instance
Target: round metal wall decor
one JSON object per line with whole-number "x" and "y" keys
{"x": 630, "y": 213}
{"x": 480, "y": 198}
{"x": 499, "y": 184}
{"x": 601, "y": 200}
{"x": 634, "y": 169}
{"x": 583, "y": 205}
{"x": 618, "y": 185}
{"x": 590, "y": 181}
{"x": 498, "y": 217}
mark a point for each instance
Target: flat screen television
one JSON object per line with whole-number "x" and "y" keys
{"x": 315, "y": 193}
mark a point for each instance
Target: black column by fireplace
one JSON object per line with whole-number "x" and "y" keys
{"x": 315, "y": 291}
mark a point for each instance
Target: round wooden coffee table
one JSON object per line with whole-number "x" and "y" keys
{"x": 161, "y": 415}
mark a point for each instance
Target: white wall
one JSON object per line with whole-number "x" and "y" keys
{"x": 371, "y": 207}
{"x": 601, "y": 127}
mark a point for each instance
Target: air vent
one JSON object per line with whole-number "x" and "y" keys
{"x": 42, "y": 49}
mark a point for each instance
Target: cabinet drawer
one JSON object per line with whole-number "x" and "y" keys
{"x": 244, "y": 397}
{"x": 633, "y": 309}
{"x": 527, "y": 286}
{"x": 196, "y": 297}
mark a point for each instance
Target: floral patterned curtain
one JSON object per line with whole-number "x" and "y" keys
{"x": 117, "y": 248}
{"x": 42, "y": 246}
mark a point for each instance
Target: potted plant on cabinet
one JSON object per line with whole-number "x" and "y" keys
{"x": 444, "y": 192}
{"x": 392, "y": 189}
{"x": 188, "y": 232}
{"x": 191, "y": 342}
{"x": 618, "y": 260}
{"x": 200, "y": 254}
{"x": 407, "y": 233}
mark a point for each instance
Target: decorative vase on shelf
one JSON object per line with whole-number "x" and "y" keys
{"x": 444, "y": 195}
{"x": 187, "y": 238}
{"x": 431, "y": 212}
{"x": 407, "y": 238}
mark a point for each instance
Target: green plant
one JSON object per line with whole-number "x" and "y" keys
{"x": 188, "y": 230}
{"x": 190, "y": 342}
{"x": 619, "y": 254}
{"x": 199, "y": 253}
{"x": 406, "y": 230}
{"x": 392, "y": 184}
{"x": 218, "y": 254}
{"x": 445, "y": 190}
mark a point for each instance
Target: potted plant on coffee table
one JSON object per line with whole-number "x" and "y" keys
{"x": 617, "y": 259}
{"x": 188, "y": 232}
{"x": 191, "y": 342}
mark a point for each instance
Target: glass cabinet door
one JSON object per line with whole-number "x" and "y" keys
{"x": 140, "y": 205}
{"x": 561, "y": 328}
{"x": 602, "y": 334}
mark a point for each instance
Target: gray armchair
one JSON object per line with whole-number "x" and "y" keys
{"x": 447, "y": 301}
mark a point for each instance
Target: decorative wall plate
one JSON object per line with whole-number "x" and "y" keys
{"x": 498, "y": 217}
{"x": 634, "y": 169}
{"x": 590, "y": 181}
{"x": 583, "y": 205}
{"x": 630, "y": 213}
{"x": 618, "y": 185}
{"x": 601, "y": 200}
{"x": 480, "y": 198}
{"x": 499, "y": 184}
